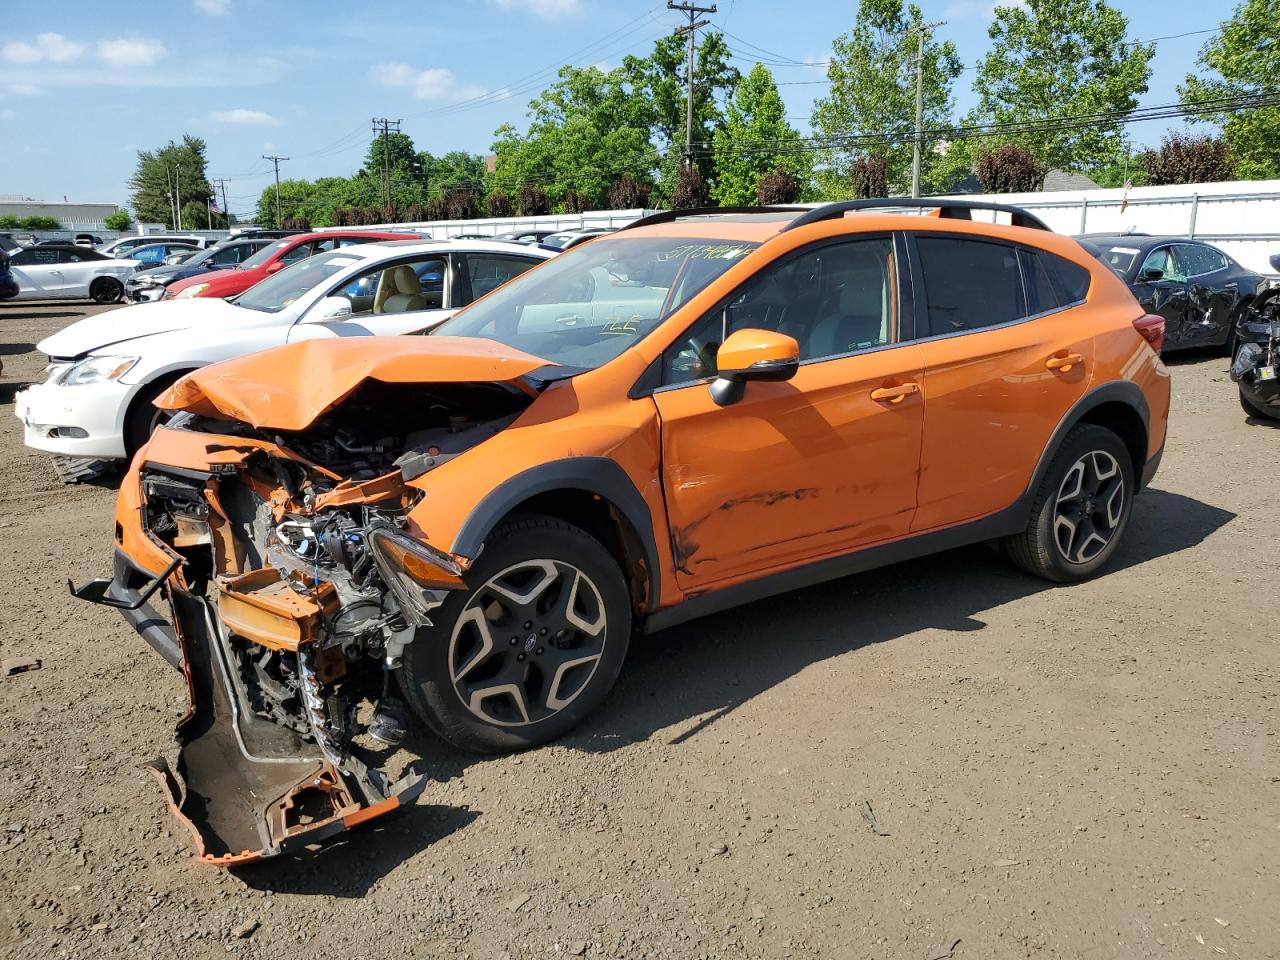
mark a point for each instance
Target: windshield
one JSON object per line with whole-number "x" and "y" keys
{"x": 1118, "y": 258}
{"x": 280, "y": 289}
{"x": 263, "y": 255}
{"x": 584, "y": 308}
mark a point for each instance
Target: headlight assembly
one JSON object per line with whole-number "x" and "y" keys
{"x": 192, "y": 291}
{"x": 415, "y": 573}
{"x": 97, "y": 370}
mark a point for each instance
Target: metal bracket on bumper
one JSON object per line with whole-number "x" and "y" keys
{"x": 133, "y": 606}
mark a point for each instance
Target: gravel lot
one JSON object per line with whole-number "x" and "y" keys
{"x": 1075, "y": 772}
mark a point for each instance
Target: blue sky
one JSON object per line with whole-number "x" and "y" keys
{"x": 84, "y": 84}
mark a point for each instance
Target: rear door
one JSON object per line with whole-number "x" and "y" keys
{"x": 482, "y": 273}
{"x": 1212, "y": 294}
{"x": 1166, "y": 296}
{"x": 78, "y": 272}
{"x": 1004, "y": 361}
{"x": 390, "y": 299}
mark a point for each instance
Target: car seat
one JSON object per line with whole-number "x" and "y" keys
{"x": 860, "y": 314}
{"x": 399, "y": 291}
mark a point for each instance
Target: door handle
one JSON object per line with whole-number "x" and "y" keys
{"x": 895, "y": 394}
{"x": 1064, "y": 363}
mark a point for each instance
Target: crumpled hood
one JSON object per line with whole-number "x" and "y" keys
{"x": 287, "y": 388}
{"x": 143, "y": 320}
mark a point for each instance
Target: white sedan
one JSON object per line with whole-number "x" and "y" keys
{"x": 68, "y": 272}
{"x": 105, "y": 371}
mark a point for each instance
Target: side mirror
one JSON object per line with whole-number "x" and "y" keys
{"x": 275, "y": 267}
{"x": 748, "y": 355}
{"x": 328, "y": 309}
{"x": 1150, "y": 274}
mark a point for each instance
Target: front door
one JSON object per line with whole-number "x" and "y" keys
{"x": 38, "y": 273}
{"x": 1166, "y": 296}
{"x": 812, "y": 467}
{"x": 407, "y": 296}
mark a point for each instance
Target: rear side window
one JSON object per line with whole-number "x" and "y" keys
{"x": 970, "y": 284}
{"x": 1053, "y": 282}
{"x": 1200, "y": 260}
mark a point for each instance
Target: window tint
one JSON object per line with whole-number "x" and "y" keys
{"x": 300, "y": 252}
{"x": 400, "y": 288}
{"x": 1200, "y": 260}
{"x": 227, "y": 256}
{"x": 1053, "y": 281}
{"x": 70, "y": 256}
{"x": 489, "y": 271}
{"x": 970, "y": 284}
{"x": 834, "y": 300}
{"x": 34, "y": 256}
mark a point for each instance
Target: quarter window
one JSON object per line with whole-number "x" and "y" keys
{"x": 835, "y": 299}
{"x": 970, "y": 284}
{"x": 1200, "y": 260}
{"x": 1052, "y": 281}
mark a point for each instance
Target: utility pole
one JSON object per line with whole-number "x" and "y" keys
{"x": 386, "y": 124}
{"x": 226, "y": 211}
{"x": 168, "y": 183}
{"x": 177, "y": 192}
{"x": 919, "y": 139}
{"x": 691, "y": 11}
{"x": 276, "y": 162}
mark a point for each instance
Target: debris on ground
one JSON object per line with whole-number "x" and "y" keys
{"x": 869, "y": 815}
{"x": 944, "y": 953}
{"x": 10, "y": 668}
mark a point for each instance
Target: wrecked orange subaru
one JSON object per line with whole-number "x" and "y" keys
{"x": 701, "y": 410}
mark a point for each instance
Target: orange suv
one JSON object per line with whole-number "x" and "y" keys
{"x": 700, "y": 410}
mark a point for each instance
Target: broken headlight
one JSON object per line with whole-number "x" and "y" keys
{"x": 418, "y": 575}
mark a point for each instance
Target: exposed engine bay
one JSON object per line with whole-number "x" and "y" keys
{"x": 1255, "y": 368}
{"x": 300, "y": 586}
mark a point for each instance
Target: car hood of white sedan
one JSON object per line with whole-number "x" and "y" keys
{"x": 148, "y": 320}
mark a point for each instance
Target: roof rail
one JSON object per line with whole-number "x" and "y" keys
{"x": 667, "y": 216}
{"x": 949, "y": 209}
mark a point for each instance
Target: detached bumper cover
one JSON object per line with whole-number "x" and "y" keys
{"x": 246, "y": 787}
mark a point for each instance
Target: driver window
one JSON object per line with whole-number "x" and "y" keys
{"x": 400, "y": 288}
{"x": 300, "y": 252}
{"x": 1164, "y": 261}
{"x": 834, "y": 300}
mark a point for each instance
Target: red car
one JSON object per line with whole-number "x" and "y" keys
{"x": 277, "y": 256}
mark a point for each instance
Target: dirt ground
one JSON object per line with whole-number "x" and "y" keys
{"x": 1075, "y": 772}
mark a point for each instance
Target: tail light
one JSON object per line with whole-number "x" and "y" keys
{"x": 1152, "y": 329}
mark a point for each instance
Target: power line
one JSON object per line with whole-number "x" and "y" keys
{"x": 386, "y": 125}
{"x": 690, "y": 30}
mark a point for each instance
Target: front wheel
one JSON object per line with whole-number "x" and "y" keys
{"x": 1253, "y": 410}
{"x": 1081, "y": 508}
{"x": 106, "y": 290}
{"x": 530, "y": 648}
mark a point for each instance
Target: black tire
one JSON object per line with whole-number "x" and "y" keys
{"x": 501, "y": 699}
{"x": 143, "y": 415}
{"x": 106, "y": 290}
{"x": 1062, "y": 541}
{"x": 1252, "y": 409}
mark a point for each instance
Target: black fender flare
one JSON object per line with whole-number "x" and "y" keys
{"x": 1117, "y": 391}
{"x": 596, "y": 475}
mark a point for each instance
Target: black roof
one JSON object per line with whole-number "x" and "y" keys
{"x": 74, "y": 247}
{"x": 1139, "y": 241}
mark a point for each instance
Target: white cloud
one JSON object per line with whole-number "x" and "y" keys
{"x": 434, "y": 83}
{"x": 21, "y": 89}
{"x": 240, "y": 115}
{"x": 8, "y": 114}
{"x": 130, "y": 52}
{"x": 51, "y": 47}
{"x": 214, "y": 8}
{"x": 546, "y": 9}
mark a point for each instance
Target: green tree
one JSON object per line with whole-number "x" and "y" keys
{"x": 580, "y": 138}
{"x": 657, "y": 84}
{"x": 1059, "y": 58}
{"x": 754, "y": 139}
{"x": 872, "y": 74}
{"x": 119, "y": 221}
{"x": 174, "y": 169}
{"x": 456, "y": 170}
{"x": 1243, "y": 60}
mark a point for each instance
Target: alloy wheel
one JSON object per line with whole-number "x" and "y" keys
{"x": 1089, "y": 508}
{"x": 528, "y": 642}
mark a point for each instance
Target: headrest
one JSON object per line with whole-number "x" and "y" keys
{"x": 406, "y": 281}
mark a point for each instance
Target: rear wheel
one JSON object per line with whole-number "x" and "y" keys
{"x": 530, "y": 648}
{"x": 1081, "y": 508}
{"x": 106, "y": 290}
{"x": 1253, "y": 410}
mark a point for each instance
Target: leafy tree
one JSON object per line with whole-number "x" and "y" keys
{"x": 456, "y": 170}
{"x": 581, "y": 137}
{"x": 754, "y": 139}
{"x": 1010, "y": 168}
{"x": 779, "y": 185}
{"x": 158, "y": 171}
{"x": 196, "y": 215}
{"x": 498, "y": 204}
{"x": 869, "y": 177}
{"x": 296, "y": 223}
{"x": 575, "y": 202}
{"x": 1058, "y": 58}
{"x": 872, "y": 74}
{"x": 690, "y": 189}
{"x": 119, "y": 221}
{"x": 659, "y": 89}
{"x": 629, "y": 194}
{"x": 29, "y": 223}
{"x": 403, "y": 163}
{"x": 1243, "y": 59}
{"x": 531, "y": 201}
{"x": 462, "y": 204}
{"x": 1184, "y": 159}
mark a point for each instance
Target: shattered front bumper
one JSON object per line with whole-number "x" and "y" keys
{"x": 245, "y": 787}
